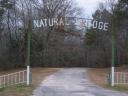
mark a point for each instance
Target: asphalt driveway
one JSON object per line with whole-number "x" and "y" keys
{"x": 72, "y": 82}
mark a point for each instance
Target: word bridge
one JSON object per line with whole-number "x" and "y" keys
{"x": 67, "y": 21}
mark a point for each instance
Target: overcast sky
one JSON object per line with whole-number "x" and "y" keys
{"x": 89, "y": 6}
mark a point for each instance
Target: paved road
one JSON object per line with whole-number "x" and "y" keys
{"x": 71, "y": 82}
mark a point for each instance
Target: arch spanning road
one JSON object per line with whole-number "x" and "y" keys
{"x": 72, "y": 82}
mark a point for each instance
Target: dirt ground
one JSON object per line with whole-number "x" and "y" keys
{"x": 39, "y": 74}
{"x": 22, "y": 90}
{"x": 99, "y": 76}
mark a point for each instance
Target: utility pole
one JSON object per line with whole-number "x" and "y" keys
{"x": 113, "y": 48}
{"x": 29, "y": 31}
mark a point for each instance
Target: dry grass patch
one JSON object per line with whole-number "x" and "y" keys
{"x": 38, "y": 75}
{"x": 99, "y": 76}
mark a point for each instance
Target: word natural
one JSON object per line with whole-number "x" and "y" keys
{"x": 81, "y": 22}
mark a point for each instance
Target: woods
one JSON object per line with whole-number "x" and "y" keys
{"x": 61, "y": 45}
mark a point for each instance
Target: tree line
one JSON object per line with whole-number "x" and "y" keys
{"x": 60, "y": 46}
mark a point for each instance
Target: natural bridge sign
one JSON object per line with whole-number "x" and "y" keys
{"x": 67, "y": 21}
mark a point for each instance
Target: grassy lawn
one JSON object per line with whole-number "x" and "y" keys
{"x": 38, "y": 75}
{"x": 17, "y": 90}
{"x": 99, "y": 77}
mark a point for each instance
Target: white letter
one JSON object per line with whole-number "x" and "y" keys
{"x": 105, "y": 26}
{"x": 41, "y": 23}
{"x": 61, "y": 22}
{"x": 36, "y": 23}
{"x": 66, "y": 22}
{"x": 50, "y": 22}
{"x": 100, "y": 25}
{"x": 55, "y": 21}
{"x": 94, "y": 24}
{"x": 45, "y": 21}
{"x": 88, "y": 23}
